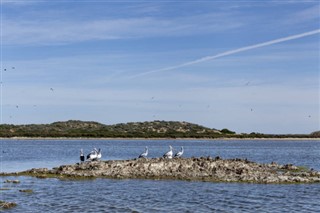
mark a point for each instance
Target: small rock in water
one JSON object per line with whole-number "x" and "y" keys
{"x": 6, "y": 205}
{"x": 26, "y": 190}
{"x": 12, "y": 181}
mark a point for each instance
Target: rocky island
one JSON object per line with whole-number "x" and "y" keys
{"x": 190, "y": 169}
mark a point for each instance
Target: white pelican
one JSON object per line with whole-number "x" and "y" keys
{"x": 179, "y": 154}
{"x": 99, "y": 155}
{"x": 169, "y": 153}
{"x": 81, "y": 155}
{"x": 144, "y": 154}
{"x": 93, "y": 155}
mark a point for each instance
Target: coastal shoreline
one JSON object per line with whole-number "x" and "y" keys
{"x": 204, "y": 139}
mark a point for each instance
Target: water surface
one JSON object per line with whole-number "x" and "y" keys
{"x": 108, "y": 195}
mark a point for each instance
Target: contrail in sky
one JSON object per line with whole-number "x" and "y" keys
{"x": 231, "y": 52}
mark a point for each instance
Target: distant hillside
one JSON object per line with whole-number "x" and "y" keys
{"x": 315, "y": 134}
{"x": 152, "y": 129}
{"x": 74, "y": 128}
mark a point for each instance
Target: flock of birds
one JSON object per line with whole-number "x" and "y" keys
{"x": 96, "y": 154}
{"x": 168, "y": 154}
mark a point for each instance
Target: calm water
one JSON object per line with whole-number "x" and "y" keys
{"x": 107, "y": 195}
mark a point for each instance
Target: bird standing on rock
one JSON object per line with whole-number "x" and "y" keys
{"x": 169, "y": 153}
{"x": 81, "y": 155}
{"x": 93, "y": 155}
{"x": 144, "y": 154}
{"x": 99, "y": 155}
{"x": 179, "y": 154}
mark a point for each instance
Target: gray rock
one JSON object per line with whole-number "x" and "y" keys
{"x": 198, "y": 169}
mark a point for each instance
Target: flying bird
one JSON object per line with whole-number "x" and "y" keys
{"x": 51, "y": 89}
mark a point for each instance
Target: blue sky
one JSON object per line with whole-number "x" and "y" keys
{"x": 99, "y": 56}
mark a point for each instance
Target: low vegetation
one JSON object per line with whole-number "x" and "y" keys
{"x": 153, "y": 129}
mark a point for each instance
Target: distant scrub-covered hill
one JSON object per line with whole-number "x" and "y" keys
{"x": 316, "y": 134}
{"x": 73, "y": 128}
{"x": 153, "y": 129}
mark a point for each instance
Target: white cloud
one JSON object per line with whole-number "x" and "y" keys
{"x": 29, "y": 30}
{"x": 311, "y": 13}
{"x": 19, "y": 2}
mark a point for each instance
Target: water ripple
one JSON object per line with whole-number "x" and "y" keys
{"x": 107, "y": 195}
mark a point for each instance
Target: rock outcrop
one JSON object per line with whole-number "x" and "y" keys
{"x": 6, "y": 205}
{"x": 193, "y": 169}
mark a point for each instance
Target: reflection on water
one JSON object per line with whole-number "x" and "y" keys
{"x": 107, "y": 195}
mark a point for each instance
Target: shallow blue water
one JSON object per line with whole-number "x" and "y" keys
{"x": 107, "y": 195}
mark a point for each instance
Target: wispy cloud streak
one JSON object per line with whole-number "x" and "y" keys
{"x": 231, "y": 52}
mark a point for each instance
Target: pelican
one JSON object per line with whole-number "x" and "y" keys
{"x": 144, "y": 154}
{"x": 81, "y": 155}
{"x": 93, "y": 155}
{"x": 179, "y": 154}
{"x": 99, "y": 155}
{"x": 169, "y": 153}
